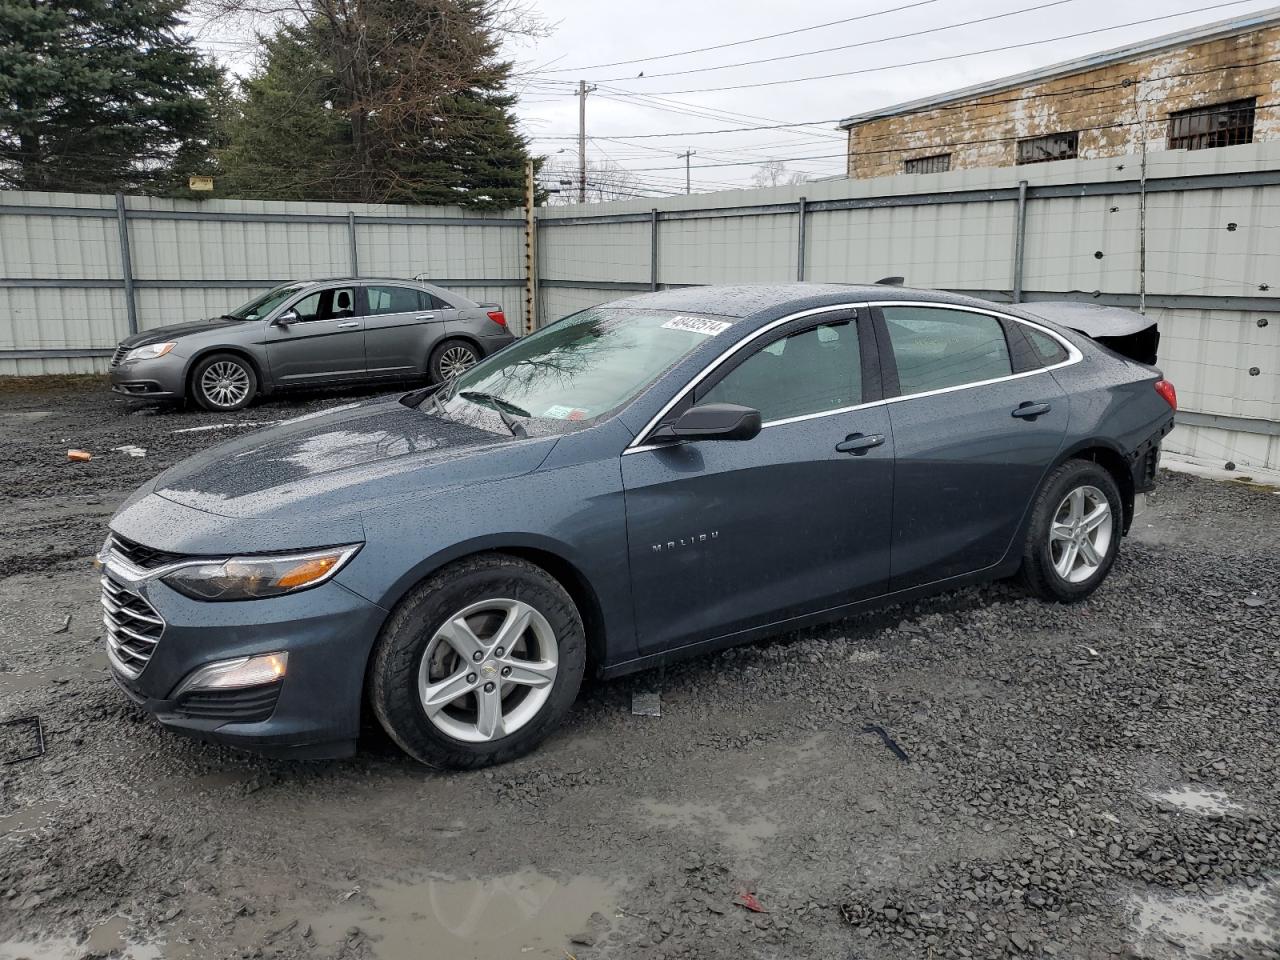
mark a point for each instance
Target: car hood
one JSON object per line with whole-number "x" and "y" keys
{"x": 343, "y": 461}
{"x": 177, "y": 331}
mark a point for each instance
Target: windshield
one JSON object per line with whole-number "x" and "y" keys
{"x": 260, "y": 306}
{"x": 581, "y": 368}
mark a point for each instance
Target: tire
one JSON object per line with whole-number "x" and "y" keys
{"x": 1062, "y": 544}
{"x": 421, "y": 648}
{"x": 223, "y": 382}
{"x": 450, "y": 358}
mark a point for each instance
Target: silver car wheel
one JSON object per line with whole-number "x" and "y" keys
{"x": 488, "y": 670}
{"x": 456, "y": 361}
{"x": 225, "y": 384}
{"x": 1080, "y": 534}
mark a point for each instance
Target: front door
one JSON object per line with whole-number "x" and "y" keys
{"x": 729, "y": 535}
{"x": 401, "y": 325}
{"x": 324, "y": 344}
{"x": 971, "y": 440}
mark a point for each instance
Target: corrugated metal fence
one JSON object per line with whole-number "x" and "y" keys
{"x": 1210, "y": 270}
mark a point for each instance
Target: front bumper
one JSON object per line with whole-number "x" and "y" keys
{"x": 313, "y": 711}
{"x": 159, "y": 379}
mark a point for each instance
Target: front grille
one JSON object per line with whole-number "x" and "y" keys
{"x": 133, "y": 628}
{"x": 119, "y": 355}
{"x": 148, "y": 558}
{"x": 230, "y": 706}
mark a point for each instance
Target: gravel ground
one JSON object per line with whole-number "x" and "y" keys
{"x": 1088, "y": 781}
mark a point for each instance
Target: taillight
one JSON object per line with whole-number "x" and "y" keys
{"x": 498, "y": 317}
{"x": 1165, "y": 389}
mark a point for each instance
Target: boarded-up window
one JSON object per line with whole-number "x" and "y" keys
{"x": 939, "y": 163}
{"x": 1220, "y": 125}
{"x": 1053, "y": 146}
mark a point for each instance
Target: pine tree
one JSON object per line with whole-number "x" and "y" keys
{"x": 401, "y": 101}
{"x": 100, "y": 95}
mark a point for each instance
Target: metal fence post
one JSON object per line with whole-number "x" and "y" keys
{"x": 653, "y": 249}
{"x": 351, "y": 243}
{"x": 1020, "y": 241}
{"x": 126, "y": 263}
{"x": 802, "y": 210}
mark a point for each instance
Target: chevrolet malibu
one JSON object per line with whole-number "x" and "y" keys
{"x": 664, "y": 475}
{"x": 307, "y": 334}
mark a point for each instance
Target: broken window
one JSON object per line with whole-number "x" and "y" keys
{"x": 1219, "y": 125}
{"x": 939, "y": 163}
{"x": 1052, "y": 146}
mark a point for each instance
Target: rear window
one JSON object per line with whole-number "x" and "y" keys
{"x": 936, "y": 348}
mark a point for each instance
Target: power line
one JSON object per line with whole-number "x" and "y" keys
{"x": 847, "y": 46}
{"x": 954, "y": 56}
{"x": 738, "y": 43}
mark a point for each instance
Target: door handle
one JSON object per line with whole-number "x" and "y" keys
{"x": 1029, "y": 410}
{"x": 859, "y": 443}
{"x": 349, "y": 325}
{"x": 425, "y": 316}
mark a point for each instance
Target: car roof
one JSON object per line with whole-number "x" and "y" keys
{"x": 767, "y": 300}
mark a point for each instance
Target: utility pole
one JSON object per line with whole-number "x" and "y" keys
{"x": 583, "y": 90}
{"x": 686, "y": 155}
{"x": 530, "y": 253}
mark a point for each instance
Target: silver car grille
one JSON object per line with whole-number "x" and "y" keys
{"x": 133, "y": 628}
{"x": 118, "y": 356}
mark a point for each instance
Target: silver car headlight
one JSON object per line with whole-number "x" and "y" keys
{"x": 253, "y": 578}
{"x": 151, "y": 351}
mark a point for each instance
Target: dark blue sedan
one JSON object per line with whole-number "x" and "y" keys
{"x": 663, "y": 475}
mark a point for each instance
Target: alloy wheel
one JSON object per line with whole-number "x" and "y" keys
{"x": 455, "y": 361}
{"x": 1080, "y": 534}
{"x": 225, "y": 384}
{"x": 488, "y": 670}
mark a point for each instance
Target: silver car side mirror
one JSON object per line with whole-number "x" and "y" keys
{"x": 288, "y": 317}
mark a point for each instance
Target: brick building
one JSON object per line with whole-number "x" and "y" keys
{"x": 1212, "y": 86}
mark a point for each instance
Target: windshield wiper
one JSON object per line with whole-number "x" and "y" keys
{"x": 505, "y": 410}
{"x": 230, "y": 316}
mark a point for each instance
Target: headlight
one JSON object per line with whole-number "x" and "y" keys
{"x": 252, "y": 578}
{"x": 150, "y": 352}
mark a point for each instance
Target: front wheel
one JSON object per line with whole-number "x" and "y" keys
{"x": 223, "y": 382}
{"x": 479, "y": 663}
{"x": 1074, "y": 536}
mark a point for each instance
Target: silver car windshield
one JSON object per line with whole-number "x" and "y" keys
{"x": 260, "y": 306}
{"x": 582, "y": 368}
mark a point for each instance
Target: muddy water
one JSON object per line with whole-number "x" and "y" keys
{"x": 1196, "y": 800}
{"x": 525, "y": 915}
{"x": 93, "y": 667}
{"x": 1203, "y": 926}
{"x": 27, "y": 819}
{"x": 103, "y": 939}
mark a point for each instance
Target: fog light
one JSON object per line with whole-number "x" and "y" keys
{"x": 236, "y": 674}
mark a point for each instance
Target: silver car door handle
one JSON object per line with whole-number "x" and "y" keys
{"x": 349, "y": 325}
{"x": 425, "y": 316}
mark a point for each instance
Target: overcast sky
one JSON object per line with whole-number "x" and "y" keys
{"x": 588, "y": 34}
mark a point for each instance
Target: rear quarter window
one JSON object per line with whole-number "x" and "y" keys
{"x": 1047, "y": 348}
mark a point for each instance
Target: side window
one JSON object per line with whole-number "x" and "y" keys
{"x": 1049, "y": 350}
{"x": 392, "y": 300}
{"x": 812, "y": 371}
{"x": 327, "y": 304}
{"x": 937, "y": 348}
{"x": 431, "y": 302}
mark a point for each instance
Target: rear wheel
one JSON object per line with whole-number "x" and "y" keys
{"x": 451, "y": 359}
{"x": 1075, "y": 532}
{"x": 223, "y": 381}
{"x": 479, "y": 663}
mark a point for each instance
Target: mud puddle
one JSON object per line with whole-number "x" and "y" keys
{"x": 1197, "y": 800}
{"x": 27, "y": 820}
{"x": 106, "y": 939}
{"x": 518, "y": 915}
{"x": 93, "y": 667}
{"x": 1202, "y": 926}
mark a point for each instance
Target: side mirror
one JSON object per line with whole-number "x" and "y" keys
{"x": 713, "y": 421}
{"x": 286, "y": 318}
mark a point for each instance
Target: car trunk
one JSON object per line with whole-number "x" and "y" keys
{"x": 1128, "y": 333}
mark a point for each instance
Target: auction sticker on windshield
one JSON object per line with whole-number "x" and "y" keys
{"x": 702, "y": 325}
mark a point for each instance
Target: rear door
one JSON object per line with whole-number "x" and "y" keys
{"x": 401, "y": 324}
{"x": 729, "y": 535}
{"x": 325, "y": 343}
{"x": 974, "y": 432}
